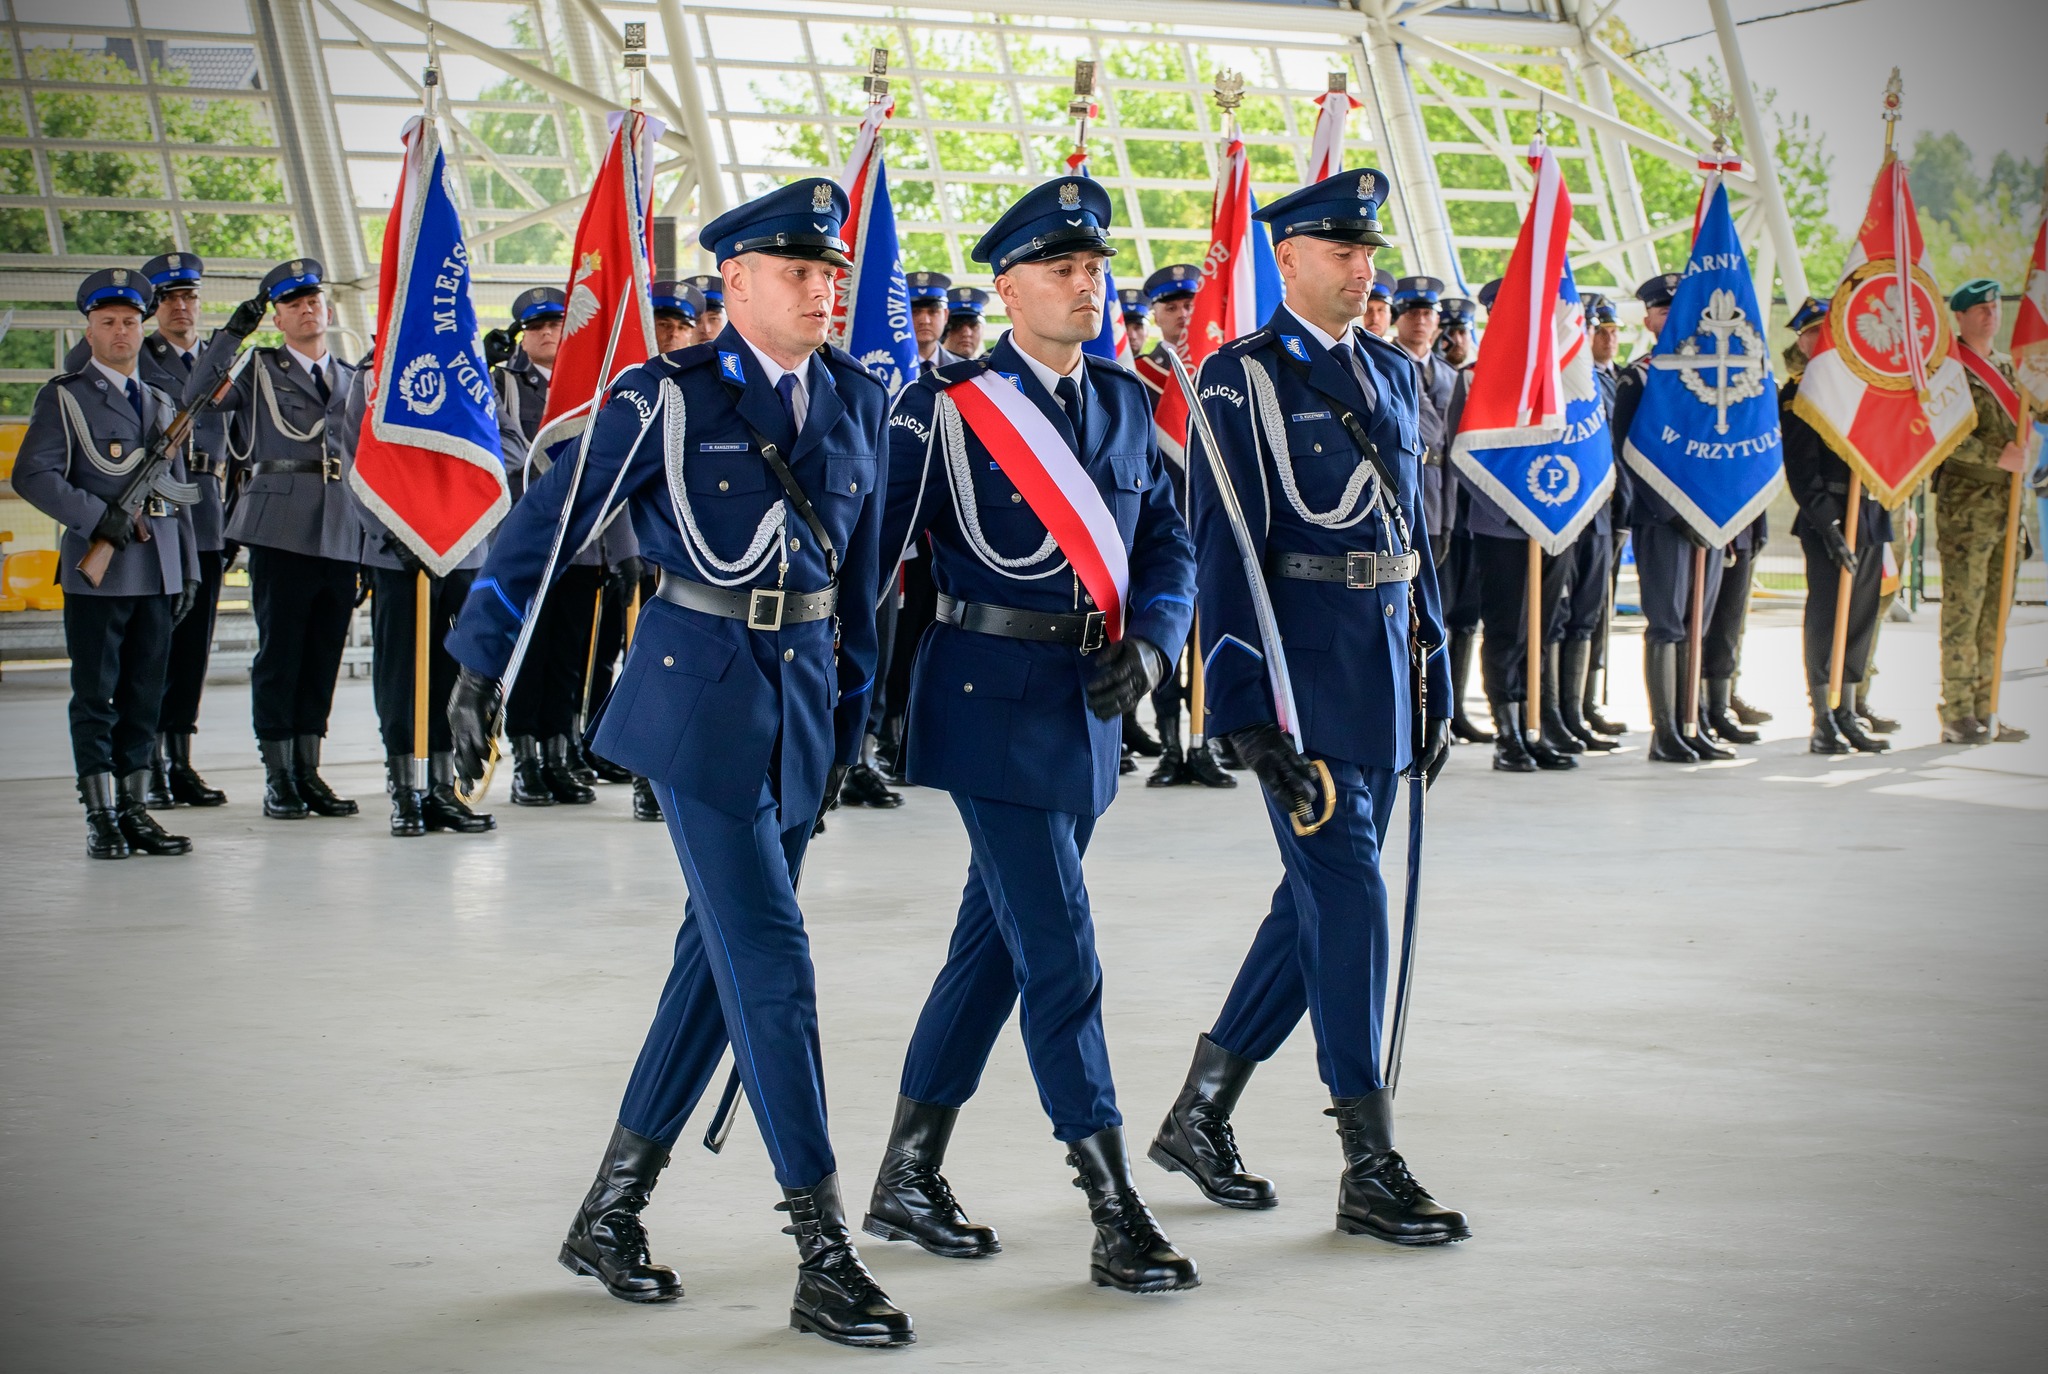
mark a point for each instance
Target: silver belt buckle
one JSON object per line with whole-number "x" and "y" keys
{"x": 764, "y": 608}
{"x": 330, "y": 467}
{"x": 158, "y": 508}
{"x": 1367, "y": 580}
{"x": 1094, "y": 630}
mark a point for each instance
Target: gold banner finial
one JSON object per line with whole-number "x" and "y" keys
{"x": 876, "y": 82}
{"x": 1894, "y": 97}
{"x": 636, "y": 61}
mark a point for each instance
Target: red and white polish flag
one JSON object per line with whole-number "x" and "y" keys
{"x": 1517, "y": 394}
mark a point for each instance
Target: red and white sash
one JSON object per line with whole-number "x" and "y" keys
{"x": 1994, "y": 381}
{"x": 1034, "y": 456}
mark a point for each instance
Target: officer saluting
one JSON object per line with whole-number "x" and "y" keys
{"x": 1042, "y": 643}
{"x": 294, "y": 513}
{"x": 1319, "y": 422}
{"x": 90, "y": 430}
{"x": 752, "y": 467}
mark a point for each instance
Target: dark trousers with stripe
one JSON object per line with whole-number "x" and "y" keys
{"x": 118, "y": 646}
{"x": 1727, "y": 615}
{"x": 191, "y": 650}
{"x": 302, "y": 604}
{"x": 1325, "y": 947}
{"x": 1503, "y": 566}
{"x": 742, "y": 976}
{"x": 394, "y": 667}
{"x": 1024, "y": 934}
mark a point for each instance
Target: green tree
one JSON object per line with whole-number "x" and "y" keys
{"x": 1974, "y": 227}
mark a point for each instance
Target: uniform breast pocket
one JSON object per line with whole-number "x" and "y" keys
{"x": 718, "y": 474}
{"x": 849, "y": 476}
{"x": 1131, "y": 474}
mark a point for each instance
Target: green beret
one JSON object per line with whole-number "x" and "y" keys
{"x": 1974, "y": 293}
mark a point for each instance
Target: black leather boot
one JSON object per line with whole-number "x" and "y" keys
{"x": 557, "y": 769}
{"x": 1589, "y": 703}
{"x": 319, "y": 797}
{"x": 1537, "y": 745}
{"x": 865, "y": 785}
{"x": 1851, "y": 729}
{"x": 1131, "y": 1252}
{"x": 1205, "y": 768}
{"x": 1555, "y": 734}
{"x": 1872, "y": 721}
{"x": 1461, "y": 673}
{"x": 646, "y": 806}
{"x": 601, "y": 768}
{"x": 103, "y": 837}
{"x": 187, "y": 787}
{"x": 1510, "y": 753}
{"x": 836, "y": 1297}
{"x": 529, "y": 784}
{"x": 1573, "y": 658}
{"x": 160, "y": 797}
{"x": 1660, "y": 678}
{"x": 581, "y": 767}
{"x": 1196, "y": 1138}
{"x": 1226, "y": 753}
{"x": 1827, "y": 736}
{"x": 1720, "y": 713}
{"x": 442, "y": 809}
{"x": 912, "y": 1200}
{"x": 281, "y": 799}
{"x": 1172, "y": 769}
{"x": 1699, "y": 741}
{"x": 1378, "y": 1196}
{"x": 407, "y": 801}
{"x": 1135, "y": 738}
{"x": 607, "y": 1241}
{"x": 1747, "y": 714}
{"x": 138, "y": 827}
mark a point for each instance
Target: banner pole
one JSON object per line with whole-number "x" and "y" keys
{"x": 590, "y": 658}
{"x": 1695, "y": 640}
{"x": 632, "y": 615}
{"x": 1839, "y": 649}
{"x": 1533, "y": 715}
{"x": 422, "y": 673}
{"x": 2008, "y": 586}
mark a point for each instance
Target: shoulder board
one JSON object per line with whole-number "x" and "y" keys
{"x": 845, "y": 362}
{"x": 1257, "y": 339}
{"x": 62, "y": 377}
{"x": 966, "y": 370}
{"x": 683, "y": 359}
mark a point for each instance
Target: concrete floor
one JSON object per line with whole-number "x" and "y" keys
{"x": 1735, "y": 1068}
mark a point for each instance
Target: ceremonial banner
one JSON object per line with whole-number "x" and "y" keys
{"x": 873, "y": 303}
{"x": 2030, "y": 328}
{"x": 428, "y": 462}
{"x": 1554, "y": 487}
{"x": 610, "y": 325}
{"x": 1516, "y": 395}
{"x": 1706, "y": 434}
{"x": 1326, "y": 145}
{"x": 1227, "y": 305}
{"x": 1883, "y": 387}
{"x": 1112, "y": 343}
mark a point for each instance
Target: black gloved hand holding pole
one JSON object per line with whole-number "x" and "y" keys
{"x": 1837, "y": 545}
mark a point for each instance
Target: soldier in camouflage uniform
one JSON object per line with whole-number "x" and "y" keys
{"x": 1972, "y": 491}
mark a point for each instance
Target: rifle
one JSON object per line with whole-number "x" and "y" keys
{"x": 152, "y": 477}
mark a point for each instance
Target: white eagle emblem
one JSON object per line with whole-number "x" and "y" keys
{"x": 1368, "y": 186}
{"x": 1070, "y": 196}
{"x": 583, "y": 304}
{"x": 821, "y": 198}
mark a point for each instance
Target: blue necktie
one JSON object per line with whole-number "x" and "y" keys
{"x": 786, "y": 389}
{"x": 135, "y": 399}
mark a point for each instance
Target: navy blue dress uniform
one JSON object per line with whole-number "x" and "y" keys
{"x": 1340, "y": 534}
{"x": 1437, "y": 379}
{"x": 1497, "y": 580}
{"x": 543, "y": 713}
{"x": 1457, "y": 569}
{"x": 744, "y": 689}
{"x": 1664, "y": 544}
{"x": 418, "y": 805}
{"x": 292, "y": 510}
{"x": 1007, "y": 715}
{"x": 88, "y": 432}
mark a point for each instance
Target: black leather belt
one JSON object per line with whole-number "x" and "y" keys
{"x": 1361, "y": 570}
{"x": 1083, "y": 629}
{"x": 1432, "y": 458}
{"x": 762, "y": 608}
{"x": 202, "y": 464}
{"x": 329, "y": 467}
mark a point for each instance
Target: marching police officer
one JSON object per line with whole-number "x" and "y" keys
{"x": 1016, "y": 705}
{"x": 293, "y": 512}
{"x": 761, "y": 510}
{"x": 90, "y": 430}
{"x": 678, "y": 307}
{"x": 1321, "y": 432}
{"x": 542, "y": 714}
{"x": 1664, "y": 542}
{"x": 1137, "y": 312}
{"x": 928, "y": 318}
{"x": 711, "y": 317}
{"x": 965, "y": 306}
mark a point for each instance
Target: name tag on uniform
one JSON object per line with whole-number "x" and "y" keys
{"x": 1308, "y": 415}
{"x": 729, "y": 365}
{"x": 723, "y": 448}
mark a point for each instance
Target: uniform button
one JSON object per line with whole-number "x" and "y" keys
{"x": 968, "y": 688}
{"x": 788, "y": 655}
{"x": 795, "y": 545}
{"x": 1388, "y": 608}
{"x": 724, "y": 485}
{"x": 668, "y": 660}
{"x": 1015, "y": 497}
{"x": 1319, "y": 448}
{"x": 853, "y": 486}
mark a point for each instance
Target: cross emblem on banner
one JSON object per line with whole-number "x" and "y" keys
{"x": 1737, "y": 377}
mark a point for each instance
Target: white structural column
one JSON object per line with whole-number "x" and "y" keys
{"x": 682, "y": 58}
{"x": 1627, "y": 191}
{"x": 586, "y": 71}
{"x": 1429, "y": 248}
{"x": 315, "y": 161}
{"x": 1760, "y": 145}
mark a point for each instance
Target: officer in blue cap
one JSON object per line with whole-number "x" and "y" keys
{"x": 1456, "y": 316}
{"x": 522, "y": 382}
{"x": 1137, "y": 312}
{"x": 928, "y": 314}
{"x": 677, "y": 306}
{"x": 1320, "y": 429}
{"x": 293, "y": 512}
{"x": 1583, "y": 715}
{"x": 965, "y": 307}
{"x": 1172, "y": 291}
{"x": 1457, "y": 566}
{"x": 1664, "y": 542}
{"x": 751, "y": 467}
{"x": 1379, "y": 305}
{"x": 89, "y": 430}
{"x": 1016, "y": 709}
{"x": 1415, "y": 326}
{"x": 711, "y": 320}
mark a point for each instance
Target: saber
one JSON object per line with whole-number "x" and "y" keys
{"x": 1304, "y": 820}
{"x": 1418, "y": 789}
